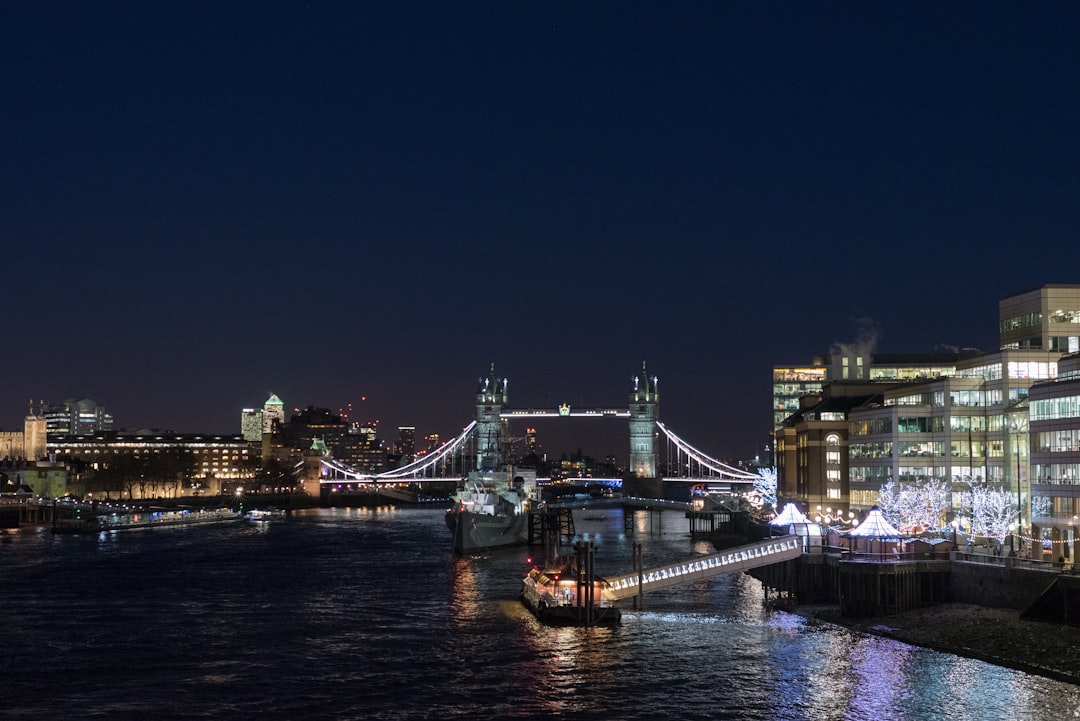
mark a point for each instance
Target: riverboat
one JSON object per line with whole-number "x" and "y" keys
{"x": 165, "y": 518}
{"x": 259, "y": 514}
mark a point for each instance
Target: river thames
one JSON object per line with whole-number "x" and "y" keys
{"x": 366, "y": 614}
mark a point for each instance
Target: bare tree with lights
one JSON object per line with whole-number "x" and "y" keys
{"x": 918, "y": 505}
{"x": 889, "y": 501}
{"x": 764, "y": 489}
{"x": 1040, "y": 506}
{"x": 992, "y": 511}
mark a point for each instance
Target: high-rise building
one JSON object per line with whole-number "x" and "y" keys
{"x": 251, "y": 424}
{"x": 273, "y": 414}
{"x": 406, "y": 444}
{"x": 370, "y": 455}
{"x": 321, "y": 424}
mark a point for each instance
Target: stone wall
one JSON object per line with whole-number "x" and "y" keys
{"x": 997, "y": 586}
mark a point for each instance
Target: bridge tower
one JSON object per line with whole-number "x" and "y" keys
{"x": 644, "y": 412}
{"x": 490, "y": 428}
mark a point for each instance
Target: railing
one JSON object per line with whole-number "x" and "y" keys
{"x": 1015, "y": 562}
{"x": 740, "y": 558}
{"x": 661, "y": 503}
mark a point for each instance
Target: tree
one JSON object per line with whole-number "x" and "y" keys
{"x": 992, "y": 510}
{"x": 889, "y": 502}
{"x": 765, "y": 488}
{"x": 912, "y": 506}
{"x": 930, "y": 503}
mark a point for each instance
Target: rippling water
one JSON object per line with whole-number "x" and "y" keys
{"x": 347, "y": 613}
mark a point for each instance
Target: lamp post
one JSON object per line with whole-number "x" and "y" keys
{"x": 1019, "y": 506}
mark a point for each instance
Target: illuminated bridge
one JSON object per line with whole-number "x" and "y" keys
{"x": 484, "y": 442}
{"x": 732, "y": 560}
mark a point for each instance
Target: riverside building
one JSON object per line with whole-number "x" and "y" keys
{"x": 211, "y": 464}
{"x": 974, "y": 417}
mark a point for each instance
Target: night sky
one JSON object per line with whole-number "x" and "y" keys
{"x": 203, "y": 203}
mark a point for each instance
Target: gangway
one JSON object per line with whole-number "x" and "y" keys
{"x": 732, "y": 560}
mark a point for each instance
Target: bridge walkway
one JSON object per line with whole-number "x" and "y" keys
{"x": 732, "y": 560}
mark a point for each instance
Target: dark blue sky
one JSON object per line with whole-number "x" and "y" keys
{"x": 202, "y": 203}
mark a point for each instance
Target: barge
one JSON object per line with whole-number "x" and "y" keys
{"x": 558, "y": 601}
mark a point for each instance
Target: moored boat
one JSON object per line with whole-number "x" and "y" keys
{"x": 553, "y": 599}
{"x": 491, "y": 510}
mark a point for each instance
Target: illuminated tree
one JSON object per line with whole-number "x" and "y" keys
{"x": 764, "y": 488}
{"x": 930, "y": 503}
{"x": 889, "y": 502}
{"x": 991, "y": 510}
{"x": 918, "y": 505}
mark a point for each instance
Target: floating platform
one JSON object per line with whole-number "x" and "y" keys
{"x": 565, "y": 602}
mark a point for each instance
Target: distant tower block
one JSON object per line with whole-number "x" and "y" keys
{"x": 273, "y": 413}
{"x": 644, "y": 412}
{"x": 490, "y": 428}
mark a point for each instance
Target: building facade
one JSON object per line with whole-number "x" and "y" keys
{"x": 1054, "y": 411}
{"x": 77, "y": 417}
{"x": 158, "y": 465}
{"x": 971, "y": 418}
{"x": 251, "y": 424}
{"x": 273, "y": 414}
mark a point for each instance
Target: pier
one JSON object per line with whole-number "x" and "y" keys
{"x": 732, "y": 560}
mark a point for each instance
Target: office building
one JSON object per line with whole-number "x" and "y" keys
{"x": 962, "y": 417}
{"x": 273, "y": 414}
{"x": 77, "y": 417}
{"x": 251, "y": 424}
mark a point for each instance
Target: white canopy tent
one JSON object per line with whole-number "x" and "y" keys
{"x": 875, "y": 526}
{"x": 875, "y": 529}
{"x": 790, "y": 514}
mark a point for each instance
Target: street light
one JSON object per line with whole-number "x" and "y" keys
{"x": 1019, "y": 503}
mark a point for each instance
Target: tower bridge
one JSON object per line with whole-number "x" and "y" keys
{"x": 484, "y": 444}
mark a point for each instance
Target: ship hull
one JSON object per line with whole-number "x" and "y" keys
{"x": 481, "y": 532}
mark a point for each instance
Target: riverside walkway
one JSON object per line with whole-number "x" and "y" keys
{"x": 732, "y": 560}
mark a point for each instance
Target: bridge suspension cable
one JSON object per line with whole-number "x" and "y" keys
{"x": 722, "y": 469}
{"x": 416, "y": 469}
{"x": 429, "y": 461}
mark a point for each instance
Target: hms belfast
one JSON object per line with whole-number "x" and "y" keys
{"x": 491, "y": 506}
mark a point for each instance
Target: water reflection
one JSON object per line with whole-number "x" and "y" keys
{"x": 365, "y": 613}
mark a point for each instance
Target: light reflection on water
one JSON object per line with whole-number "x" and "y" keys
{"x": 359, "y": 613}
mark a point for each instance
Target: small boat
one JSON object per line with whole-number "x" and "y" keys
{"x": 258, "y": 514}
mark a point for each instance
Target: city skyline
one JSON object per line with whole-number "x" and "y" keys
{"x": 207, "y": 203}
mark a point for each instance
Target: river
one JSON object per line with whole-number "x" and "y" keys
{"x": 365, "y": 614}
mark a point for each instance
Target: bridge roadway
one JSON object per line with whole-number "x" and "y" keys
{"x": 732, "y": 560}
